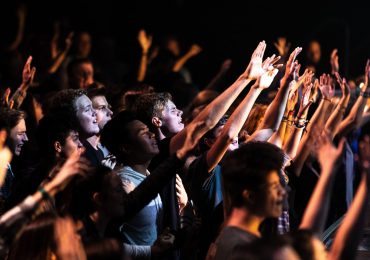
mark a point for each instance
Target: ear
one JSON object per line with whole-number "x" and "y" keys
{"x": 57, "y": 146}
{"x": 248, "y": 197}
{"x": 157, "y": 122}
{"x": 97, "y": 198}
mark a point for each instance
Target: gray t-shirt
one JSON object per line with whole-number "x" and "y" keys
{"x": 228, "y": 241}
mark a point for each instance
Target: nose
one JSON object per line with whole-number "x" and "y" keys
{"x": 25, "y": 137}
{"x": 179, "y": 112}
{"x": 110, "y": 113}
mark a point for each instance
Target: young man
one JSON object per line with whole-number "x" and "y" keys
{"x": 254, "y": 192}
{"x": 13, "y": 121}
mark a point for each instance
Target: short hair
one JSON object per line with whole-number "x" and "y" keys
{"x": 150, "y": 105}
{"x": 9, "y": 118}
{"x": 211, "y": 133}
{"x": 96, "y": 89}
{"x": 63, "y": 106}
{"x": 248, "y": 168}
{"x": 49, "y": 131}
{"x": 116, "y": 133}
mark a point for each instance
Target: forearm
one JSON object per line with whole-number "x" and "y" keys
{"x": 349, "y": 234}
{"x": 19, "y": 96}
{"x": 291, "y": 145}
{"x": 314, "y": 217}
{"x": 180, "y": 63}
{"x": 213, "y": 112}
{"x": 142, "y": 67}
{"x": 151, "y": 186}
{"x": 336, "y": 117}
{"x": 232, "y": 128}
{"x": 213, "y": 85}
{"x": 353, "y": 118}
{"x": 275, "y": 111}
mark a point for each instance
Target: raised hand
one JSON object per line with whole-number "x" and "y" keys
{"x": 182, "y": 196}
{"x": 343, "y": 85}
{"x": 367, "y": 76}
{"x": 254, "y": 69}
{"x": 315, "y": 91}
{"x": 266, "y": 78}
{"x": 306, "y": 100}
{"x": 69, "y": 40}
{"x": 226, "y": 65}
{"x": 282, "y": 46}
{"x": 326, "y": 86}
{"x": 145, "y": 41}
{"x": 334, "y": 61}
{"x": 194, "y": 50}
{"x": 290, "y": 65}
{"x": 327, "y": 153}
{"x": 28, "y": 74}
{"x": 6, "y": 101}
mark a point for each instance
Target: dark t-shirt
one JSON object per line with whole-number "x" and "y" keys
{"x": 228, "y": 242}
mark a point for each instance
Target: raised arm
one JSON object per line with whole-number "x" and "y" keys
{"x": 275, "y": 111}
{"x": 336, "y": 117}
{"x": 316, "y": 124}
{"x": 354, "y": 116}
{"x": 61, "y": 55}
{"x": 236, "y": 121}
{"x": 145, "y": 42}
{"x": 212, "y": 113}
{"x": 21, "y": 16}
{"x": 316, "y": 212}
{"x": 194, "y": 50}
{"x": 215, "y": 82}
{"x": 349, "y": 233}
{"x": 28, "y": 75}
{"x": 291, "y": 145}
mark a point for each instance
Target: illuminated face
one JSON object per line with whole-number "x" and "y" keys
{"x": 18, "y": 137}
{"x": 271, "y": 197}
{"x": 171, "y": 119}
{"x": 314, "y": 52}
{"x": 83, "y": 75}
{"x": 102, "y": 109}
{"x": 72, "y": 143}
{"x": 86, "y": 116}
{"x": 142, "y": 142}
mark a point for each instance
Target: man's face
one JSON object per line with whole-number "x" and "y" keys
{"x": 83, "y": 75}
{"x": 171, "y": 119}
{"x": 102, "y": 109}
{"x": 271, "y": 197}
{"x": 72, "y": 143}
{"x": 233, "y": 145}
{"x": 86, "y": 116}
{"x": 18, "y": 137}
{"x": 142, "y": 141}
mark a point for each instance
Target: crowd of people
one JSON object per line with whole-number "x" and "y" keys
{"x": 102, "y": 161}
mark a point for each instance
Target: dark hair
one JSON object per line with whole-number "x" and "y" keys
{"x": 211, "y": 133}
{"x": 82, "y": 204}
{"x": 96, "y": 89}
{"x": 49, "y": 131}
{"x": 116, "y": 133}
{"x": 248, "y": 167}
{"x": 150, "y": 105}
{"x": 74, "y": 63}
{"x": 36, "y": 240}
{"x": 9, "y": 118}
{"x": 63, "y": 106}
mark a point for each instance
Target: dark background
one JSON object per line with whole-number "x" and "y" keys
{"x": 225, "y": 29}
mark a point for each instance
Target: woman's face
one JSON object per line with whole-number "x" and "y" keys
{"x": 86, "y": 116}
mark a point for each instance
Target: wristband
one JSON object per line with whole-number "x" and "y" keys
{"x": 45, "y": 195}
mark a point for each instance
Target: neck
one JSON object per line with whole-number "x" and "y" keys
{"x": 159, "y": 134}
{"x": 94, "y": 141}
{"x": 245, "y": 220}
{"x": 140, "y": 167}
{"x": 101, "y": 221}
